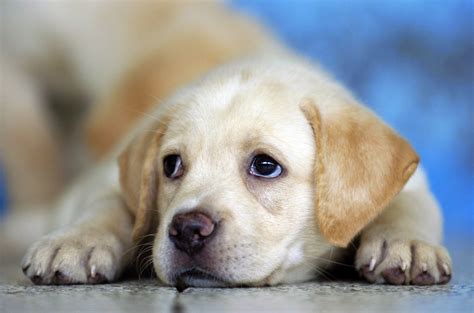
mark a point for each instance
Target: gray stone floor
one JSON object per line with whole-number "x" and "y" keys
{"x": 18, "y": 295}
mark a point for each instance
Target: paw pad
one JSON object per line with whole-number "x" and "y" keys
{"x": 423, "y": 279}
{"x": 394, "y": 276}
{"x": 60, "y": 278}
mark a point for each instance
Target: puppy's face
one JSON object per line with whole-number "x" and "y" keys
{"x": 229, "y": 183}
{"x": 238, "y": 165}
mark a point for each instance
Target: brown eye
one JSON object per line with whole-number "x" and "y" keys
{"x": 172, "y": 166}
{"x": 265, "y": 166}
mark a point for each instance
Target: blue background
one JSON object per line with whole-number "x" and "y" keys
{"x": 412, "y": 62}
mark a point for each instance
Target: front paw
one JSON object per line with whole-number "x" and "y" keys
{"x": 403, "y": 262}
{"x": 74, "y": 257}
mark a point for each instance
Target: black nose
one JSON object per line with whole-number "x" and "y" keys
{"x": 190, "y": 231}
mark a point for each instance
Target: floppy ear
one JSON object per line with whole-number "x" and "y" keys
{"x": 360, "y": 167}
{"x": 138, "y": 180}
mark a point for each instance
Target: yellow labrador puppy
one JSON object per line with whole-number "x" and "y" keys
{"x": 264, "y": 171}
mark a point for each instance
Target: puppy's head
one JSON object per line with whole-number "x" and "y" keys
{"x": 249, "y": 176}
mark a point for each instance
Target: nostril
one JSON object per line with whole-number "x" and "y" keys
{"x": 173, "y": 231}
{"x": 207, "y": 230}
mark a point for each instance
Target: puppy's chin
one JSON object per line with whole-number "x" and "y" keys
{"x": 196, "y": 277}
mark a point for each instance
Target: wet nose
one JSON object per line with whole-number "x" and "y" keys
{"x": 190, "y": 231}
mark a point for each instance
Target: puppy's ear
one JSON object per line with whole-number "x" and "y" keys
{"x": 360, "y": 167}
{"x": 139, "y": 179}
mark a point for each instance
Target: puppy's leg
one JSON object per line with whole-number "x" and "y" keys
{"x": 94, "y": 249}
{"x": 29, "y": 150}
{"x": 402, "y": 246}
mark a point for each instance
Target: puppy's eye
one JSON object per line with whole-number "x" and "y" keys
{"x": 172, "y": 166}
{"x": 265, "y": 166}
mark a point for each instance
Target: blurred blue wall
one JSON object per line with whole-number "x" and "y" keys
{"x": 411, "y": 62}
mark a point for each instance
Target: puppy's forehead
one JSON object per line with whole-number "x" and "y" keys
{"x": 232, "y": 112}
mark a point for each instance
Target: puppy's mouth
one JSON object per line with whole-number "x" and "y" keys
{"x": 197, "y": 277}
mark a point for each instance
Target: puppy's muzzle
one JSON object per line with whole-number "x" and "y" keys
{"x": 191, "y": 231}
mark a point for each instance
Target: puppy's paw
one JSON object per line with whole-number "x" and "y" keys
{"x": 77, "y": 257}
{"x": 403, "y": 262}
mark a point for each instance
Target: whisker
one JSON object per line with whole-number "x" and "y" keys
{"x": 143, "y": 113}
{"x": 145, "y": 236}
{"x": 144, "y": 264}
{"x": 147, "y": 264}
{"x": 138, "y": 246}
{"x": 353, "y": 246}
{"x": 325, "y": 274}
{"x": 159, "y": 100}
{"x": 143, "y": 251}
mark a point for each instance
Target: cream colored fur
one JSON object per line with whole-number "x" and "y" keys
{"x": 274, "y": 230}
{"x": 271, "y": 236}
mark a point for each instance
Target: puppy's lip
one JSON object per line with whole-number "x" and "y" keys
{"x": 197, "y": 277}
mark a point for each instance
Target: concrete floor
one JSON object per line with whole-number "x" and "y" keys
{"x": 18, "y": 295}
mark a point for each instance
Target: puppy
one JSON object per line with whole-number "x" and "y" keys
{"x": 262, "y": 172}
